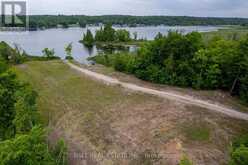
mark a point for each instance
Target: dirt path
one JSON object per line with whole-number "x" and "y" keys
{"x": 168, "y": 95}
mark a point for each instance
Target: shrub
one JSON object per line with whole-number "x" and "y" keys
{"x": 26, "y": 149}
{"x": 120, "y": 63}
{"x": 69, "y": 58}
{"x": 25, "y": 110}
{"x": 239, "y": 154}
{"x": 185, "y": 161}
{"x": 123, "y": 62}
{"x": 49, "y": 54}
{"x": 10, "y": 55}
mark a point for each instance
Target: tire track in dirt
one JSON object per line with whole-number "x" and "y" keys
{"x": 168, "y": 95}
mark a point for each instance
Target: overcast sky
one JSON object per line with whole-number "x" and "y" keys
{"x": 218, "y": 8}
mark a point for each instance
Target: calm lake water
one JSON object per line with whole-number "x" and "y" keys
{"x": 35, "y": 41}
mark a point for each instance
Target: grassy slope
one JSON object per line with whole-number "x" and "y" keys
{"x": 96, "y": 117}
{"x": 63, "y": 90}
{"x": 214, "y": 96}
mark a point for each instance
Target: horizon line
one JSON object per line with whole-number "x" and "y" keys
{"x": 189, "y": 16}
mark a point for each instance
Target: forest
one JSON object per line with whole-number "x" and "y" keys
{"x": 51, "y": 21}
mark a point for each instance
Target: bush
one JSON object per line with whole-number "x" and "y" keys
{"x": 123, "y": 62}
{"x": 119, "y": 63}
{"x": 185, "y": 161}
{"x": 25, "y": 110}
{"x": 26, "y": 149}
{"x": 239, "y": 154}
{"x": 49, "y": 54}
{"x": 154, "y": 74}
{"x": 69, "y": 58}
{"x": 10, "y": 55}
{"x": 8, "y": 88}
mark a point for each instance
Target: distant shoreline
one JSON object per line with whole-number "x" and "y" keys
{"x": 65, "y": 21}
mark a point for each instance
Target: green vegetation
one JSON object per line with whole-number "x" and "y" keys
{"x": 11, "y": 56}
{"x": 185, "y": 161}
{"x": 15, "y": 56}
{"x": 109, "y": 34}
{"x": 184, "y": 60}
{"x": 66, "y": 95}
{"x": 80, "y": 99}
{"x": 197, "y": 132}
{"x": 232, "y": 33}
{"x": 22, "y": 139}
{"x": 50, "y": 21}
{"x": 106, "y": 35}
{"x": 122, "y": 35}
{"x": 239, "y": 153}
{"x": 31, "y": 149}
{"x": 68, "y": 50}
{"x": 49, "y": 54}
{"x": 88, "y": 39}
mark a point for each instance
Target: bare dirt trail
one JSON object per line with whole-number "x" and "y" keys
{"x": 168, "y": 95}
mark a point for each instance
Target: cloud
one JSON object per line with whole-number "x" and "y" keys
{"x": 219, "y": 8}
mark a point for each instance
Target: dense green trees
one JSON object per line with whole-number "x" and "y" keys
{"x": 88, "y": 39}
{"x": 109, "y": 34}
{"x": 122, "y": 35}
{"x": 49, "y": 21}
{"x": 105, "y": 34}
{"x": 22, "y": 140}
{"x": 17, "y": 106}
{"x": 184, "y": 60}
{"x": 8, "y": 86}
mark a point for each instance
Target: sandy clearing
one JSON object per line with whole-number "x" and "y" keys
{"x": 168, "y": 95}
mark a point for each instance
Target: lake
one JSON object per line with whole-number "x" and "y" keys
{"x": 34, "y": 42}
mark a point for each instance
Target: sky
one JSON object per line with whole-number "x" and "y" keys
{"x": 210, "y": 8}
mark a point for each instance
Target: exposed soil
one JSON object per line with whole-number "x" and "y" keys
{"x": 165, "y": 94}
{"x": 110, "y": 124}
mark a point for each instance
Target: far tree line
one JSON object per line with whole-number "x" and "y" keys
{"x": 51, "y": 21}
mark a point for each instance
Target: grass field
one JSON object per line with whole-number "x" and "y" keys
{"x": 94, "y": 117}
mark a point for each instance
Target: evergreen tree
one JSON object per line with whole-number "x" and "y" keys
{"x": 88, "y": 39}
{"x": 68, "y": 50}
